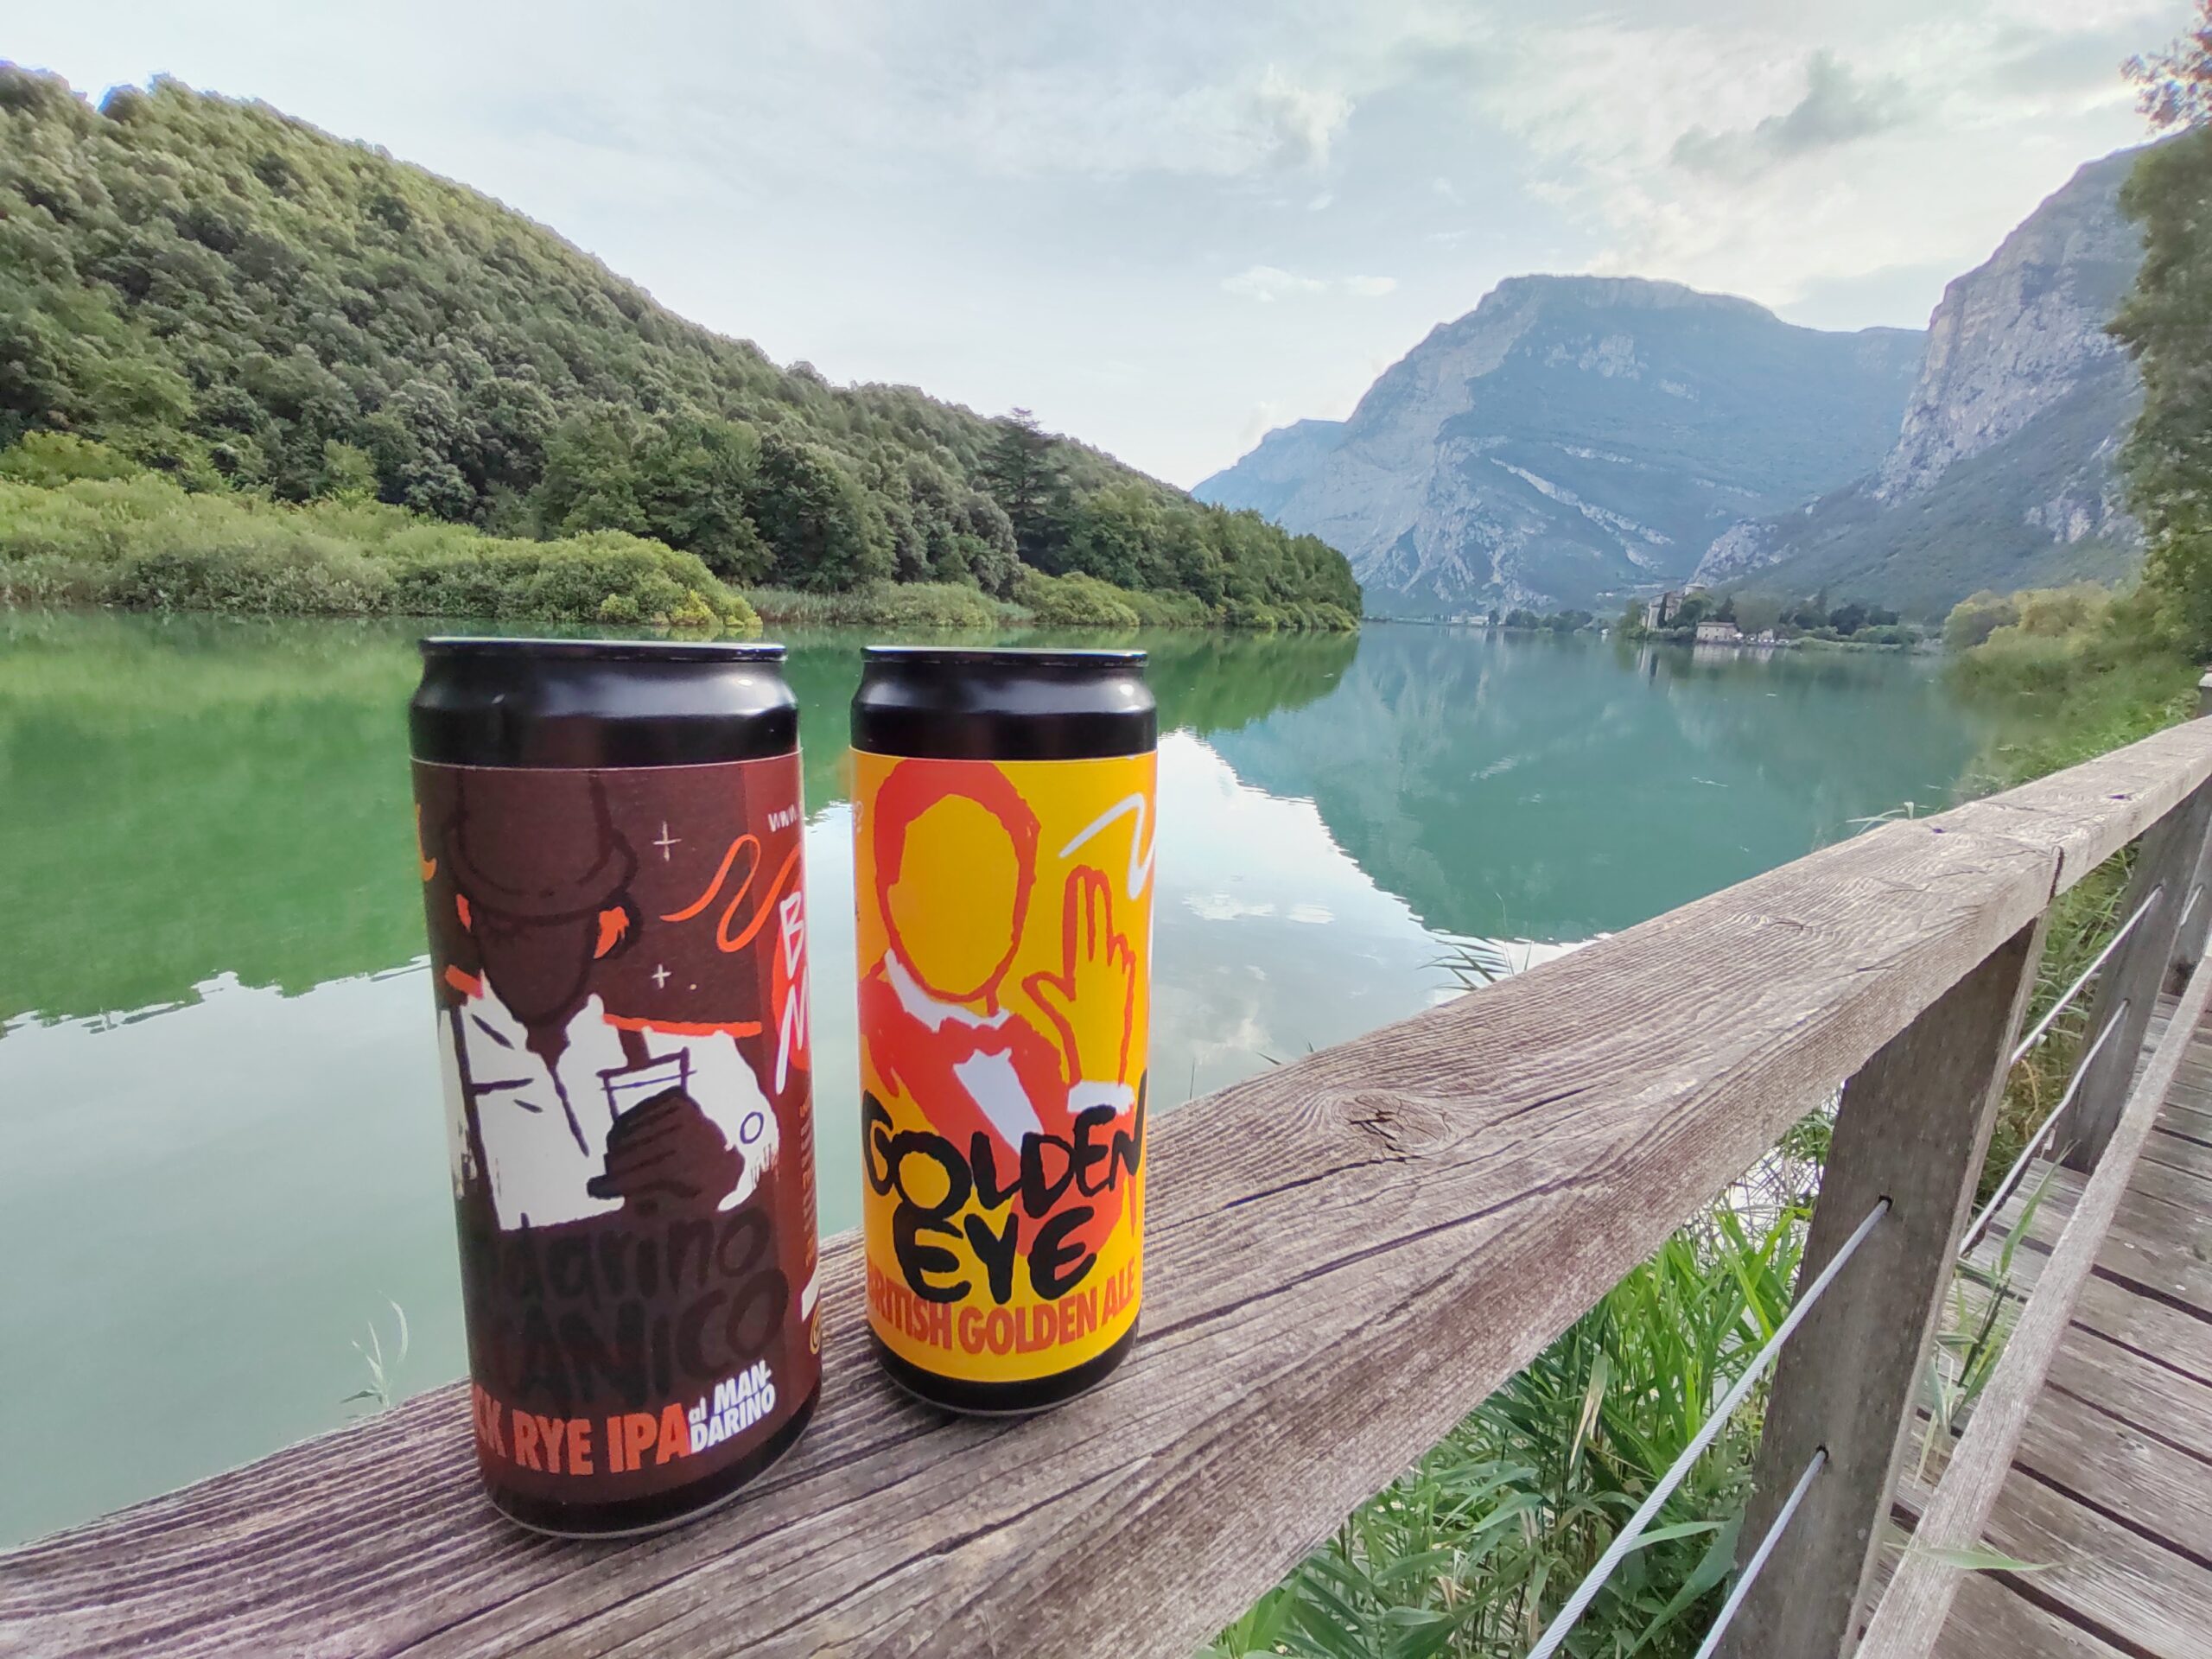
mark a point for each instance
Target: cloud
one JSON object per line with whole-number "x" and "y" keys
{"x": 1075, "y": 116}
{"x": 1298, "y": 122}
{"x": 1267, "y": 283}
{"x": 1838, "y": 106}
{"x": 1798, "y": 151}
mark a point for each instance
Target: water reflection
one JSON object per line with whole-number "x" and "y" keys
{"x": 219, "y": 1127}
{"x": 1509, "y": 785}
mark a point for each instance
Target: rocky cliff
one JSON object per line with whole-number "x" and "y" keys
{"x": 1574, "y": 439}
{"x": 2001, "y": 474}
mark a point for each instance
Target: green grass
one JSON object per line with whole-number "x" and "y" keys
{"x": 1470, "y": 1553}
{"x": 142, "y": 543}
{"x": 914, "y": 606}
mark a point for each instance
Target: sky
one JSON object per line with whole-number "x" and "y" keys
{"x": 1167, "y": 225}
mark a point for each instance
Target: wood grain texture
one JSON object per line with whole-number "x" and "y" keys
{"x": 1992, "y": 1620}
{"x": 1919, "y": 1597}
{"x": 1913, "y": 1127}
{"x": 2075, "y": 1446}
{"x": 2127, "y": 990}
{"x": 2103, "y": 1575}
{"x": 1345, "y": 1254}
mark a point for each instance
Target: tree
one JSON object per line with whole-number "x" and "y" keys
{"x": 1022, "y": 471}
{"x": 1757, "y": 612}
{"x": 2173, "y": 87}
{"x": 2167, "y": 326}
{"x": 1976, "y": 616}
{"x": 817, "y": 521}
{"x": 347, "y": 474}
{"x": 221, "y": 294}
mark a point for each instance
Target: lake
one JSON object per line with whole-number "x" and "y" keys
{"x": 222, "y": 1153}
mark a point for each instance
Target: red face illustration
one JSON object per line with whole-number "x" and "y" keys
{"x": 931, "y": 824}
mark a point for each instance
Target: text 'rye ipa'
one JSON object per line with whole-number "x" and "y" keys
{"x": 609, "y": 844}
{"x": 1003, "y": 835}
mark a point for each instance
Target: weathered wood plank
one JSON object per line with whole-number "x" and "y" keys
{"x": 2126, "y": 992}
{"x": 2158, "y": 1331}
{"x": 2092, "y": 1455}
{"x": 1992, "y": 1620}
{"x": 2179, "y": 1152}
{"x": 2160, "y": 1404}
{"x": 1913, "y": 1127}
{"x": 1920, "y": 1596}
{"x": 2156, "y": 1242}
{"x": 2105, "y": 1575}
{"x": 1345, "y": 1254}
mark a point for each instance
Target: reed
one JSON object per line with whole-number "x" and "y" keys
{"x": 1471, "y": 1552}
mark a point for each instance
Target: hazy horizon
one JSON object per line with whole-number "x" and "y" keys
{"x": 1167, "y": 231}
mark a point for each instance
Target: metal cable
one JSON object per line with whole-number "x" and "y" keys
{"x": 1624, "y": 1541}
{"x": 2019, "y": 1165}
{"x": 1751, "y": 1573}
{"x": 2074, "y": 990}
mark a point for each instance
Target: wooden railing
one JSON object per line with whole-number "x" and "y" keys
{"x": 1345, "y": 1255}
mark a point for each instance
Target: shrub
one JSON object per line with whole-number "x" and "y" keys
{"x": 142, "y": 543}
{"x": 1073, "y": 602}
{"x": 52, "y": 458}
{"x": 906, "y": 605}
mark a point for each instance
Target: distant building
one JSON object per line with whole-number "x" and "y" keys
{"x": 1659, "y": 611}
{"x": 1719, "y": 633}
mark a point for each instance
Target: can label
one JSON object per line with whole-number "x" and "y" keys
{"x": 1005, "y": 914}
{"x": 619, "y": 958}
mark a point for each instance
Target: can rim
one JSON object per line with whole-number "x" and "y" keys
{"x": 1024, "y": 656}
{"x": 602, "y": 651}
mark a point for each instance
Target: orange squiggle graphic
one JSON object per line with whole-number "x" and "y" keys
{"x": 765, "y": 909}
{"x": 428, "y": 866}
{"x": 686, "y": 1027}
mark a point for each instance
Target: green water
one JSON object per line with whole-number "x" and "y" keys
{"x": 221, "y": 1150}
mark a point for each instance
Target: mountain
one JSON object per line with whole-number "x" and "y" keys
{"x": 248, "y": 304}
{"x": 2002, "y": 472}
{"x": 1576, "y": 438}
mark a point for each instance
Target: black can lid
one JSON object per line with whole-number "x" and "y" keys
{"x": 1013, "y": 656}
{"x": 603, "y": 651}
{"x": 966, "y": 702}
{"x": 486, "y": 702}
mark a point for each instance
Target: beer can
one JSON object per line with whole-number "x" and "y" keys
{"x": 609, "y": 835}
{"x": 1003, "y": 820}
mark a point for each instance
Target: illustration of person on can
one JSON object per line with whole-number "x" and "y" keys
{"x": 938, "y": 1027}
{"x": 550, "y": 1077}
{"x": 1000, "y": 1018}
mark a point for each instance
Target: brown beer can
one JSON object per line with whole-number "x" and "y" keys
{"x": 609, "y": 841}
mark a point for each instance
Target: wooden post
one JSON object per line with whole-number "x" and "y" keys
{"x": 2196, "y": 927}
{"x": 2126, "y": 992}
{"x": 1913, "y": 1127}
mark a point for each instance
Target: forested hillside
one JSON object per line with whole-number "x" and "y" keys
{"x": 246, "y": 304}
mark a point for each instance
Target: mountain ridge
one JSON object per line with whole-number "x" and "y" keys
{"x": 2003, "y": 473}
{"x": 1573, "y": 438}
